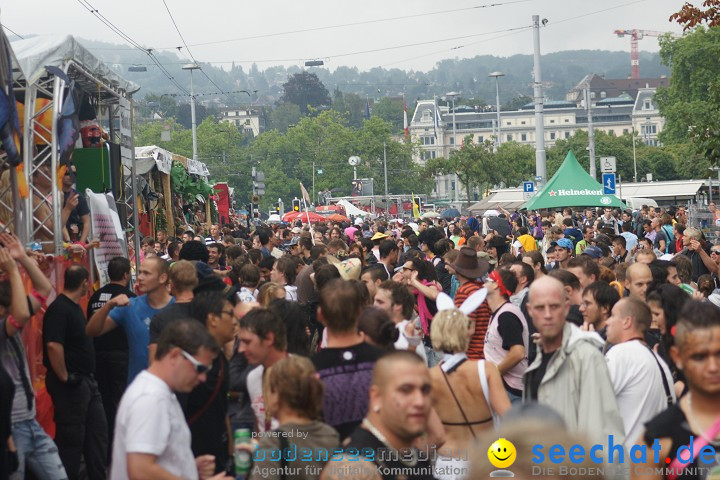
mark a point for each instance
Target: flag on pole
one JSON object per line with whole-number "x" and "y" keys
{"x": 305, "y": 194}
{"x": 367, "y": 108}
{"x": 415, "y": 209}
{"x": 405, "y": 121}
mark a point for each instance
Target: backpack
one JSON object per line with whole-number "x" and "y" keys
{"x": 670, "y": 241}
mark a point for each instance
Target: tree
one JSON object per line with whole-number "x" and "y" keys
{"x": 517, "y": 102}
{"x": 351, "y": 106}
{"x": 514, "y": 163}
{"x": 473, "y": 163}
{"x": 690, "y": 16}
{"x": 391, "y": 110}
{"x": 184, "y": 114}
{"x": 691, "y": 104}
{"x": 283, "y": 116}
{"x": 306, "y": 91}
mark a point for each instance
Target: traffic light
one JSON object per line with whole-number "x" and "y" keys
{"x": 277, "y": 208}
{"x": 296, "y": 205}
{"x": 258, "y": 179}
{"x": 255, "y": 210}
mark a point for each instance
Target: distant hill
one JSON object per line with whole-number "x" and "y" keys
{"x": 561, "y": 71}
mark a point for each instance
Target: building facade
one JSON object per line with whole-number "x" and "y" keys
{"x": 619, "y": 115}
{"x": 248, "y": 120}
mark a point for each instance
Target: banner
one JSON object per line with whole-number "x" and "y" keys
{"x": 106, "y": 226}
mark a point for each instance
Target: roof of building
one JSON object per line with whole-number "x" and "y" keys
{"x": 614, "y": 87}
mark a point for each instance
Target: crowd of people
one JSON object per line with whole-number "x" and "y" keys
{"x": 367, "y": 344}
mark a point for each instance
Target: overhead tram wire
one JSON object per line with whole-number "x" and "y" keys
{"x": 329, "y": 27}
{"x": 96, "y": 13}
{"x": 188, "y": 49}
{"x": 11, "y": 31}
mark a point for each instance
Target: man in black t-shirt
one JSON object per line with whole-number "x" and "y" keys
{"x": 78, "y": 224}
{"x": 111, "y": 349}
{"x": 206, "y": 406}
{"x": 400, "y": 406}
{"x": 345, "y": 365}
{"x": 696, "y": 416}
{"x": 69, "y": 356}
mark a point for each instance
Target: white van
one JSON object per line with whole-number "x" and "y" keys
{"x": 636, "y": 203}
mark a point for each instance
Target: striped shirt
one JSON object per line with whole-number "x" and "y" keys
{"x": 481, "y": 317}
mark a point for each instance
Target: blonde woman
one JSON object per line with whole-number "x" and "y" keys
{"x": 467, "y": 394}
{"x": 269, "y": 292}
{"x": 294, "y": 396}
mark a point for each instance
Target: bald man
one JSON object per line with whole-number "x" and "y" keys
{"x": 638, "y": 278}
{"x": 400, "y": 409}
{"x": 570, "y": 374}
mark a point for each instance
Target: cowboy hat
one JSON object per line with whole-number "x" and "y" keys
{"x": 469, "y": 265}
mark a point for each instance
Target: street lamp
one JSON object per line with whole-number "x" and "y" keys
{"x": 191, "y": 67}
{"x": 452, "y": 96}
{"x": 498, "y": 140}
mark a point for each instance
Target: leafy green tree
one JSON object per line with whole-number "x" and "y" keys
{"x": 517, "y": 102}
{"x": 306, "y": 91}
{"x": 184, "y": 114}
{"x": 514, "y": 163}
{"x": 691, "y": 104}
{"x": 473, "y": 163}
{"x": 283, "y": 116}
{"x": 350, "y": 105}
{"x": 391, "y": 110}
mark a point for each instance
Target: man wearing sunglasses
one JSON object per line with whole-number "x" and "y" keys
{"x": 152, "y": 439}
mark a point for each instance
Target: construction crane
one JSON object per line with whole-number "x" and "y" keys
{"x": 635, "y": 35}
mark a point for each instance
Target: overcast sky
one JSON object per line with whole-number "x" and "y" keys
{"x": 571, "y": 25}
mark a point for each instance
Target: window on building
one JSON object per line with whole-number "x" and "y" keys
{"x": 429, "y": 140}
{"x": 522, "y": 123}
{"x": 426, "y": 117}
{"x": 552, "y": 135}
{"x": 452, "y": 141}
{"x": 552, "y": 121}
{"x": 567, "y": 120}
{"x": 603, "y": 95}
{"x": 247, "y": 122}
{"x": 592, "y": 94}
{"x": 480, "y": 139}
{"x": 647, "y": 105}
{"x": 625, "y": 130}
{"x": 567, "y": 134}
{"x": 509, "y": 138}
{"x": 523, "y": 137}
{"x": 508, "y": 123}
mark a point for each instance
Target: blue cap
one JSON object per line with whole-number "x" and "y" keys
{"x": 593, "y": 252}
{"x": 563, "y": 243}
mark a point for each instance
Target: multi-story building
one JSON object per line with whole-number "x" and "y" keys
{"x": 249, "y": 120}
{"x": 621, "y": 114}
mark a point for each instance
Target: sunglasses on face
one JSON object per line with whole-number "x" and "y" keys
{"x": 714, "y": 252}
{"x": 200, "y": 368}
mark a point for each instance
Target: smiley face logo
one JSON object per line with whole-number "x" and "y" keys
{"x": 502, "y": 453}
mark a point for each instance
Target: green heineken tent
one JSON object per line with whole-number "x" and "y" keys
{"x": 572, "y": 186}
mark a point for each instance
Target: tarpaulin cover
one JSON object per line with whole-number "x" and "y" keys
{"x": 33, "y": 54}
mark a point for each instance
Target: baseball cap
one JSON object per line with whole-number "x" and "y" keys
{"x": 296, "y": 230}
{"x": 293, "y": 241}
{"x": 593, "y": 252}
{"x": 563, "y": 243}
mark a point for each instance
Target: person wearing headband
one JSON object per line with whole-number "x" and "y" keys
{"x": 507, "y": 338}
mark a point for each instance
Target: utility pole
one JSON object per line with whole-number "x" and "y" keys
{"x": 192, "y": 67}
{"x": 498, "y": 139}
{"x": 540, "y": 159}
{"x": 452, "y": 96}
{"x": 387, "y": 200}
{"x": 591, "y": 133}
{"x": 635, "y": 179}
{"x": 313, "y": 185}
